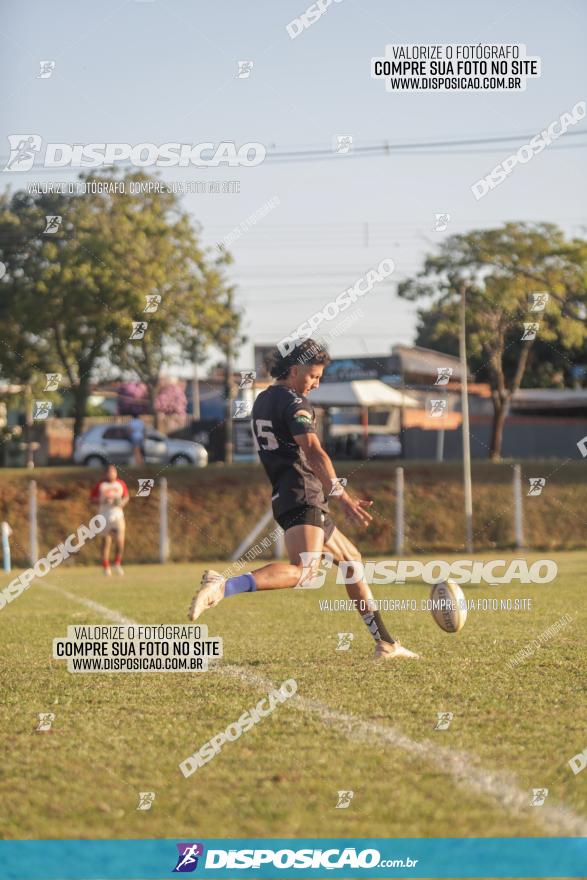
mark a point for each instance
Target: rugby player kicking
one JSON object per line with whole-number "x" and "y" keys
{"x": 303, "y": 478}
{"x": 111, "y": 495}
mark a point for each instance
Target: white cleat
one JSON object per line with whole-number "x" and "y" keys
{"x": 119, "y": 570}
{"x": 386, "y": 651}
{"x": 107, "y": 571}
{"x": 211, "y": 592}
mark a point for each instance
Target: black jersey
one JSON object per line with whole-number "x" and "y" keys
{"x": 278, "y": 415}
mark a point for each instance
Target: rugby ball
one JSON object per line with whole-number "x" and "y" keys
{"x": 448, "y": 606}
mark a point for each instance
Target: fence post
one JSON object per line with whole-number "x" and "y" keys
{"x": 399, "y": 511}
{"x": 163, "y": 530}
{"x": 440, "y": 444}
{"x": 33, "y": 540}
{"x": 6, "y": 533}
{"x": 518, "y": 510}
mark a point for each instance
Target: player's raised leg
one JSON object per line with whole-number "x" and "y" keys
{"x": 274, "y": 576}
{"x": 344, "y": 552}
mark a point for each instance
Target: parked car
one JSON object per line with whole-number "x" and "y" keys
{"x": 384, "y": 445}
{"x": 103, "y": 444}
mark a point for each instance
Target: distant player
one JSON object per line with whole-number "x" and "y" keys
{"x": 137, "y": 438}
{"x": 302, "y": 478}
{"x": 111, "y": 495}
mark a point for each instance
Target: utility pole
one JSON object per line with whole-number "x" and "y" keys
{"x": 465, "y": 425}
{"x": 196, "y": 415}
{"x": 228, "y": 387}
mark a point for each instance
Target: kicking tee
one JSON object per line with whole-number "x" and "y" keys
{"x": 279, "y": 414}
{"x": 109, "y": 495}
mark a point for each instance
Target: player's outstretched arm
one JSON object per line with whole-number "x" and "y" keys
{"x": 321, "y": 464}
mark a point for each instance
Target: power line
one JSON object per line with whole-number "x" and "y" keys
{"x": 384, "y": 148}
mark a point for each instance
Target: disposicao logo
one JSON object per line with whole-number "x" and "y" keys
{"x": 187, "y": 859}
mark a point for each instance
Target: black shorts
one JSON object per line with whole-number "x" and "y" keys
{"x": 306, "y": 516}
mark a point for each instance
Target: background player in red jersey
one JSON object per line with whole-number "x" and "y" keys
{"x": 111, "y": 495}
{"x": 303, "y": 478}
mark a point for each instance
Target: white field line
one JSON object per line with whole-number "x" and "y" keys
{"x": 462, "y": 767}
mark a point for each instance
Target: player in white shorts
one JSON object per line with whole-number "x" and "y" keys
{"x": 111, "y": 495}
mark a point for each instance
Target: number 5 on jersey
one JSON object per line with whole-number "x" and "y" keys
{"x": 263, "y": 435}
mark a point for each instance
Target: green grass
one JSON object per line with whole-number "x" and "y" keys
{"x": 118, "y": 734}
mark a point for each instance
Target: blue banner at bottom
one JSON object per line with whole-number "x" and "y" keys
{"x": 281, "y": 858}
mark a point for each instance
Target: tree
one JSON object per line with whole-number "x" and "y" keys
{"x": 502, "y": 269}
{"x": 71, "y": 297}
{"x": 24, "y": 354}
{"x": 132, "y": 399}
{"x": 66, "y": 288}
{"x": 171, "y": 400}
{"x": 183, "y": 303}
{"x": 547, "y": 366}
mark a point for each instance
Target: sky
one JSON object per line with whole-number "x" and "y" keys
{"x": 161, "y": 71}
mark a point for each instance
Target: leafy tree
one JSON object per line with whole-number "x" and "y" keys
{"x": 70, "y": 298}
{"x": 547, "y": 366}
{"x": 25, "y": 355}
{"x": 132, "y": 399}
{"x": 500, "y": 270}
{"x": 184, "y": 296}
{"x": 171, "y": 400}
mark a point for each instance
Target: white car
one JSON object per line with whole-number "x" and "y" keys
{"x": 384, "y": 445}
{"x": 110, "y": 444}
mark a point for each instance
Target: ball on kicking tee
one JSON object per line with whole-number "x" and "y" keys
{"x": 448, "y": 606}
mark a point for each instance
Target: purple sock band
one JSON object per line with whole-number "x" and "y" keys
{"x": 243, "y": 583}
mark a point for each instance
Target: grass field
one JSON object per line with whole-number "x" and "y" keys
{"x": 354, "y": 725}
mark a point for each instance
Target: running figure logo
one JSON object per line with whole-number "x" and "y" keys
{"x": 242, "y": 409}
{"x": 53, "y": 380}
{"x": 187, "y": 859}
{"x": 437, "y": 408}
{"x": 344, "y": 144}
{"x": 153, "y": 301}
{"x": 47, "y": 68}
{"x": 538, "y": 301}
{"x": 53, "y": 223}
{"x": 338, "y": 485}
{"x": 530, "y": 331}
{"x": 344, "y": 641}
{"x": 539, "y": 795}
{"x": 344, "y": 799}
{"x": 444, "y": 374}
{"x": 138, "y": 329}
{"x": 314, "y": 565}
{"x": 46, "y": 719}
{"x": 247, "y": 378}
{"x": 245, "y": 68}
{"x": 441, "y": 222}
{"x": 22, "y": 151}
{"x": 537, "y": 484}
{"x": 42, "y": 409}
{"x": 146, "y": 799}
{"x": 444, "y": 719}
